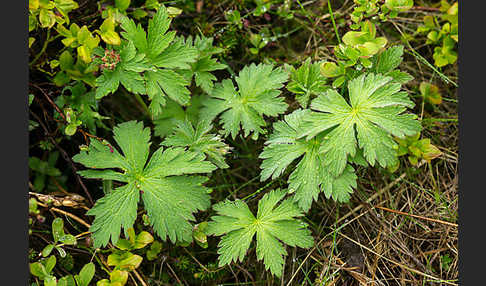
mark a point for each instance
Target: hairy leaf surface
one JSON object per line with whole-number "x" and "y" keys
{"x": 306, "y": 81}
{"x": 199, "y": 140}
{"x": 257, "y": 95}
{"x": 387, "y": 63}
{"x": 205, "y": 63}
{"x": 310, "y": 176}
{"x": 151, "y": 63}
{"x": 374, "y": 114}
{"x": 168, "y": 190}
{"x": 273, "y": 225}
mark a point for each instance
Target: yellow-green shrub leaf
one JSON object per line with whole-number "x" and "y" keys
{"x": 173, "y": 11}
{"x": 46, "y": 4}
{"x": 85, "y": 275}
{"x": 430, "y": 93}
{"x": 330, "y": 69}
{"x": 122, "y": 5}
{"x": 32, "y": 22}
{"x": 110, "y": 37}
{"x": 124, "y": 261}
{"x": 31, "y": 41}
{"x": 84, "y": 54}
{"x": 47, "y": 18}
{"x": 47, "y": 250}
{"x": 119, "y": 276}
{"x": 33, "y": 4}
{"x": 143, "y": 239}
{"x": 66, "y": 6}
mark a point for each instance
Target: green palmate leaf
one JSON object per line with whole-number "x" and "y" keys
{"x": 372, "y": 117}
{"x": 387, "y": 60}
{"x": 125, "y": 72}
{"x": 306, "y": 81}
{"x": 387, "y": 63}
{"x": 169, "y": 193}
{"x": 155, "y": 40}
{"x": 257, "y": 95}
{"x": 272, "y": 225}
{"x": 116, "y": 210}
{"x": 178, "y": 55}
{"x": 166, "y": 82}
{"x": 156, "y": 53}
{"x": 310, "y": 176}
{"x": 164, "y": 52}
{"x": 199, "y": 140}
{"x": 203, "y": 66}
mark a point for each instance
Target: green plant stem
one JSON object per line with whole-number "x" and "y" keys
{"x": 422, "y": 59}
{"x": 47, "y": 41}
{"x": 333, "y": 22}
{"x": 257, "y": 191}
{"x": 142, "y": 103}
{"x": 243, "y": 185}
{"x": 230, "y": 70}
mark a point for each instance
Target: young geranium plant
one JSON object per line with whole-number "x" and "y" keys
{"x": 170, "y": 191}
{"x": 272, "y": 225}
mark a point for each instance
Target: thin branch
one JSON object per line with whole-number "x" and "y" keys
{"x": 81, "y": 221}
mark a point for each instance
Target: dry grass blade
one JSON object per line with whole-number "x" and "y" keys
{"x": 417, "y": 216}
{"x": 398, "y": 263}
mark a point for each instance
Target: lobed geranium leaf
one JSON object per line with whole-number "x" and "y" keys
{"x": 257, "y": 95}
{"x": 310, "y": 176}
{"x": 374, "y": 114}
{"x": 306, "y": 81}
{"x": 272, "y": 225}
{"x": 199, "y": 140}
{"x": 165, "y": 183}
